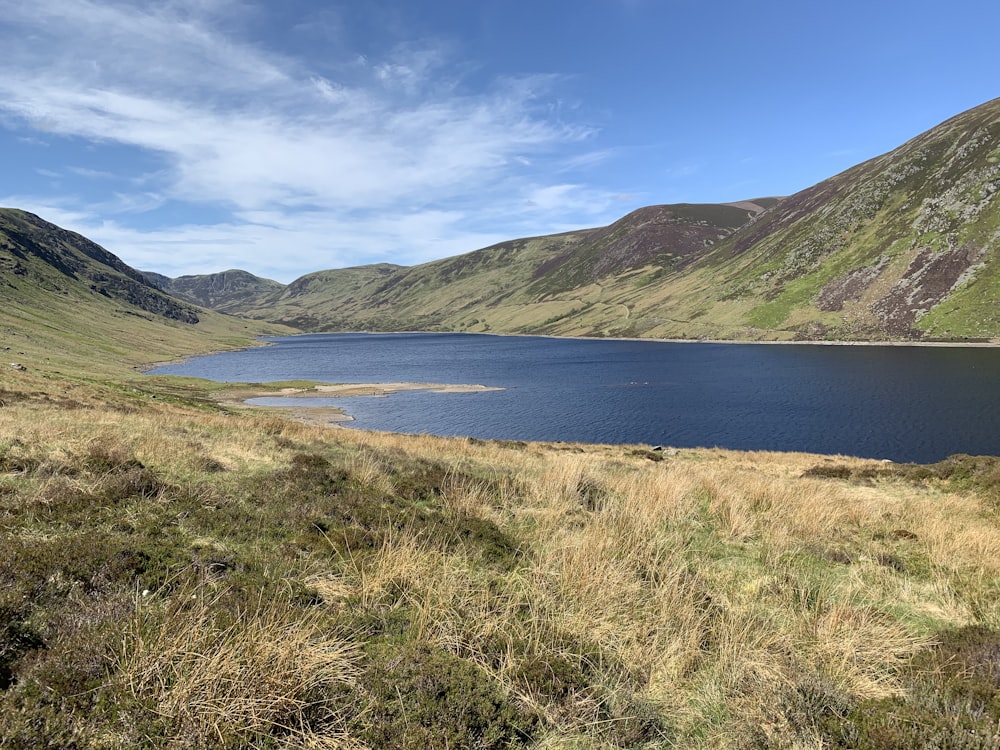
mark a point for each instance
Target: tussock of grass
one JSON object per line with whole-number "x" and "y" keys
{"x": 236, "y": 677}
{"x": 174, "y": 576}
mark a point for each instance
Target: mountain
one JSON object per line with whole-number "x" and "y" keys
{"x": 516, "y": 286}
{"x": 63, "y": 298}
{"x": 45, "y": 256}
{"x": 223, "y": 291}
{"x": 903, "y": 246}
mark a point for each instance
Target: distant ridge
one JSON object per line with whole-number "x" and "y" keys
{"x": 503, "y": 287}
{"x": 223, "y": 291}
{"x": 65, "y": 300}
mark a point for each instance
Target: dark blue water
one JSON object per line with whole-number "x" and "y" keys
{"x": 902, "y": 403}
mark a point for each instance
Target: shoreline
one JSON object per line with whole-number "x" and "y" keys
{"x": 333, "y": 416}
{"x": 991, "y": 343}
{"x": 146, "y": 369}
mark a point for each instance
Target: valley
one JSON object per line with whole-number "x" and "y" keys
{"x": 180, "y": 572}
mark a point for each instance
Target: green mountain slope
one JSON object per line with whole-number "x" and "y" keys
{"x": 60, "y": 261}
{"x": 524, "y": 285}
{"x": 64, "y": 299}
{"x": 904, "y": 246}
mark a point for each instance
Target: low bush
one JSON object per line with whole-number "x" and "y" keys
{"x": 977, "y": 473}
{"x": 421, "y": 697}
{"x": 951, "y": 701}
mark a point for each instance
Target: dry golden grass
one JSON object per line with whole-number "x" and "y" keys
{"x": 685, "y": 572}
{"x": 264, "y": 674}
{"x": 712, "y": 589}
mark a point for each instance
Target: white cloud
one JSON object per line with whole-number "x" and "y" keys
{"x": 569, "y": 198}
{"x": 586, "y": 160}
{"x": 171, "y": 45}
{"x": 394, "y": 162}
{"x": 93, "y": 174}
{"x": 680, "y": 171}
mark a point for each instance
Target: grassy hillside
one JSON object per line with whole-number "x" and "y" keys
{"x": 904, "y": 246}
{"x": 447, "y": 293}
{"x": 223, "y": 291}
{"x": 178, "y": 576}
{"x": 67, "y": 301}
{"x": 517, "y": 286}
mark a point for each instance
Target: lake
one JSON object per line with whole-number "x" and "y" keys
{"x": 904, "y": 403}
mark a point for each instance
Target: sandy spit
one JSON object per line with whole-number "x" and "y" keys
{"x": 332, "y": 415}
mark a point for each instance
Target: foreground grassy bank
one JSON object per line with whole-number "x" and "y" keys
{"x": 173, "y": 574}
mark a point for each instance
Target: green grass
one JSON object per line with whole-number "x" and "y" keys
{"x": 794, "y": 296}
{"x": 971, "y": 312}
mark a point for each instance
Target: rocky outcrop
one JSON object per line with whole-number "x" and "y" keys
{"x": 849, "y": 287}
{"x": 36, "y": 248}
{"x": 928, "y": 280}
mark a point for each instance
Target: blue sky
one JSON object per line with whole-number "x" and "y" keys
{"x": 193, "y": 136}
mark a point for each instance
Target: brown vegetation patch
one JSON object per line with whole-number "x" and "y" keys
{"x": 978, "y": 473}
{"x": 344, "y": 512}
{"x": 673, "y": 234}
{"x": 851, "y": 286}
{"x": 953, "y": 701}
{"x": 928, "y": 280}
{"x": 421, "y": 697}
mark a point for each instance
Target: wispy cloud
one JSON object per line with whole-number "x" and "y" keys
{"x": 586, "y": 160}
{"x": 679, "y": 171}
{"x": 275, "y": 240}
{"x": 92, "y": 174}
{"x": 393, "y": 160}
{"x": 569, "y": 198}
